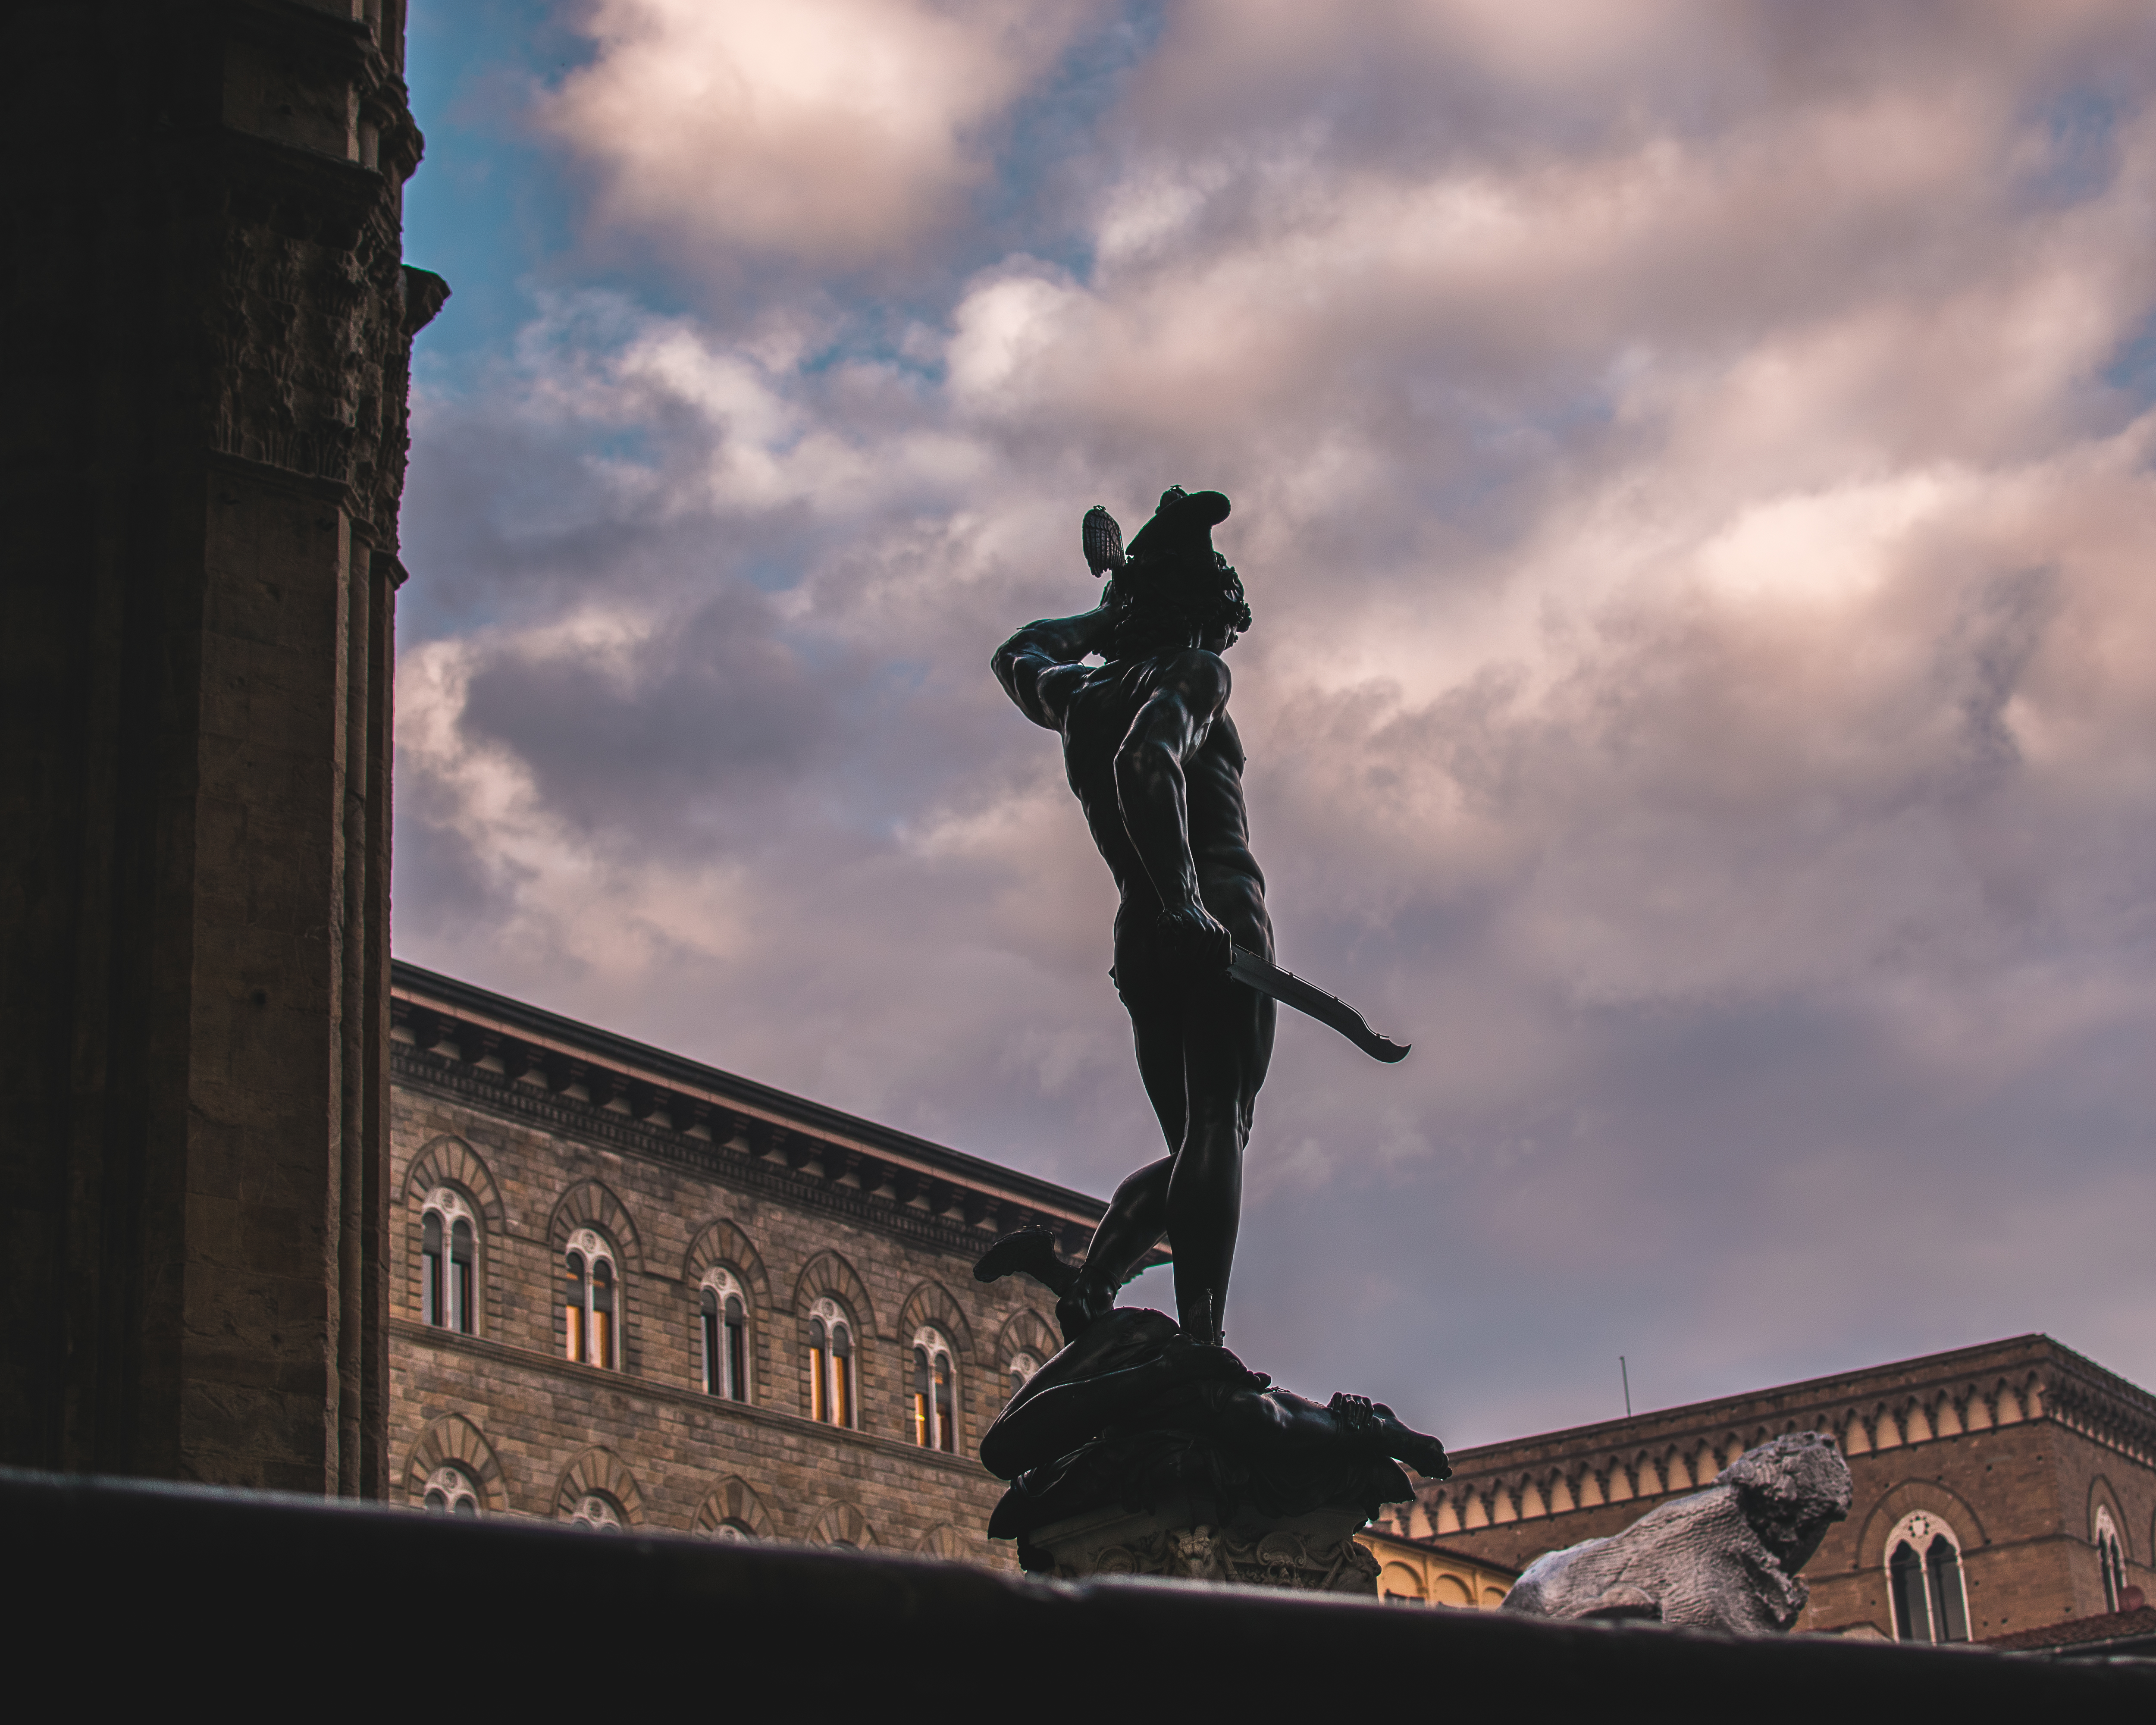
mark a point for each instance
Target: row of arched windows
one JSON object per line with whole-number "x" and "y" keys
{"x": 599, "y": 1494}
{"x": 450, "y": 1490}
{"x": 1930, "y": 1594}
{"x": 589, "y": 1299}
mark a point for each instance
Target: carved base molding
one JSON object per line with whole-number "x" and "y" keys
{"x": 1185, "y": 1541}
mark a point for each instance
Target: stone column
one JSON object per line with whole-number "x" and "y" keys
{"x": 209, "y": 326}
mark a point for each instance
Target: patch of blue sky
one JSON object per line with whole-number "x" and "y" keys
{"x": 493, "y": 208}
{"x": 1035, "y": 202}
{"x": 2132, "y": 368}
{"x": 2080, "y": 155}
{"x": 621, "y": 445}
{"x": 881, "y": 333}
{"x": 486, "y": 210}
{"x": 776, "y": 574}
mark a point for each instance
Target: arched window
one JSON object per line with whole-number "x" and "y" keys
{"x": 589, "y": 1292}
{"x": 934, "y": 1392}
{"x": 1923, "y": 1575}
{"x": 598, "y": 1512}
{"x": 729, "y": 1530}
{"x": 449, "y": 1262}
{"x": 832, "y": 1388}
{"x": 450, "y": 1492}
{"x": 1023, "y": 1366}
{"x": 723, "y": 1321}
{"x": 2110, "y": 1558}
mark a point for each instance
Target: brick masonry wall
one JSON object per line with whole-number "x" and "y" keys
{"x": 1989, "y": 1441}
{"x": 538, "y": 1414}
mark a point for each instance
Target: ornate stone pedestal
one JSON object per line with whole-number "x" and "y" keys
{"x": 1136, "y": 1452}
{"x": 1186, "y": 1539}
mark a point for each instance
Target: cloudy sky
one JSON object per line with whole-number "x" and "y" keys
{"x": 1692, "y": 468}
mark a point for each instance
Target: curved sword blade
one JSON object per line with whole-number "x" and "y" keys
{"x": 1291, "y": 990}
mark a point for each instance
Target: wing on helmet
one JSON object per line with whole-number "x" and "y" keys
{"x": 1103, "y": 541}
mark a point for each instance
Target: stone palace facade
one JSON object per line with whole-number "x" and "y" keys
{"x": 1997, "y": 1489}
{"x": 632, "y": 1291}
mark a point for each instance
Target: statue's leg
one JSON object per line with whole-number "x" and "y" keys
{"x": 1137, "y": 1215}
{"x": 1156, "y": 1032}
{"x": 1227, "y": 1044}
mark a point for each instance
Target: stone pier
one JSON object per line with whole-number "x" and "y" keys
{"x": 209, "y": 322}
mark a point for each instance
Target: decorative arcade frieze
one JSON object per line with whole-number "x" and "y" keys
{"x": 726, "y": 1138}
{"x": 1572, "y": 1476}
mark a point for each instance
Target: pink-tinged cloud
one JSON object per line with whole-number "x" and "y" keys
{"x": 830, "y": 131}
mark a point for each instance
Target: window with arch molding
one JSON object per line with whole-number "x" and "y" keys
{"x": 729, "y": 1531}
{"x": 598, "y": 1512}
{"x": 1924, "y": 1579}
{"x": 450, "y": 1492}
{"x": 722, "y": 1323}
{"x": 449, "y": 1262}
{"x": 935, "y": 1392}
{"x": 1023, "y": 1366}
{"x": 833, "y": 1389}
{"x": 591, "y": 1295}
{"x": 2110, "y": 1558}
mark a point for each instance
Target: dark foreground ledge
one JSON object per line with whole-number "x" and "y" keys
{"x": 128, "y": 1590}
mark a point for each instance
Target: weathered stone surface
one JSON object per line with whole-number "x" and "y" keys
{"x": 1724, "y": 1559}
{"x": 1189, "y": 1541}
{"x": 204, "y": 442}
{"x": 794, "y": 1201}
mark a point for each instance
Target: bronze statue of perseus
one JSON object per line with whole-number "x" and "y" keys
{"x": 1154, "y": 756}
{"x": 1135, "y": 1409}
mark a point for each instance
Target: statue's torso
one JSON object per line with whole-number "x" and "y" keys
{"x": 1096, "y": 720}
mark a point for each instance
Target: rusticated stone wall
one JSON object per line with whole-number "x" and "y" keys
{"x": 538, "y": 1128}
{"x": 208, "y": 332}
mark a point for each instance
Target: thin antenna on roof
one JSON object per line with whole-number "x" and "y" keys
{"x": 1627, "y": 1375}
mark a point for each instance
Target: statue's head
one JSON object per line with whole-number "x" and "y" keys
{"x": 1793, "y": 1488}
{"x": 1171, "y": 590}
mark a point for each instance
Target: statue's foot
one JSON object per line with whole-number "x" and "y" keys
{"x": 1081, "y": 1306}
{"x": 1378, "y": 1426}
{"x": 1027, "y": 1251}
{"x": 1200, "y": 1362}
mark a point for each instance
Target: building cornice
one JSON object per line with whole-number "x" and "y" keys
{"x": 1904, "y": 1404}
{"x": 2108, "y": 1397}
{"x": 490, "y": 1052}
